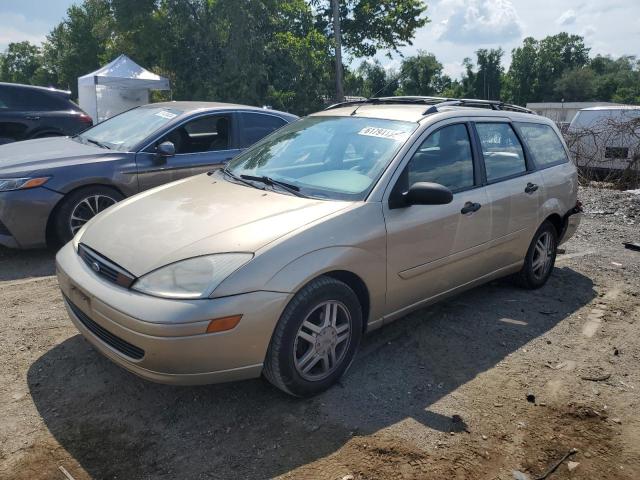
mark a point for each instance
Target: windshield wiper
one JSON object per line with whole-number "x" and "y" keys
{"x": 236, "y": 178}
{"x": 293, "y": 189}
{"x": 96, "y": 142}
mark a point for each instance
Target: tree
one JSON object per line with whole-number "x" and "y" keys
{"x": 21, "y": 63}
{"x": 78, "y": 45}
{"x": 376, "y": 81}
{"x": 537, "y": 66}
{"x": 557, "y": 54}
{"x": 421, "y": 74}
{"x": 577, "y": 85}
{"x": 488, "y": 78}
{"x": 367, "y": 26}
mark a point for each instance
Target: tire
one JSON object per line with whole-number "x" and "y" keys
{"x": 81, "y": 205}
{"x": 296, "y": 365}
{"x": 534, "y": 275}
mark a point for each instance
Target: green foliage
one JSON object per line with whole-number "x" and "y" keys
{"x": 422, "y": 75}
{"x": 538, "y": 66}
{"x": 22, "y": 63}
{"x": 375, "y": 80}
{"x": 280, "y": 53}
{"x": 372, "y": 25}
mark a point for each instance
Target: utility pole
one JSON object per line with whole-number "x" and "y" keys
{"x": 338, "y": 46}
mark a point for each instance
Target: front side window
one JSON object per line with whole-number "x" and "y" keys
{"x": 337, "y": 158}
{"x": 501, "y": 150}
{"x": 256, "y": 126}
{"x": 444, "y": 157}
{"x": 125, "y": 131}
{"x": 543, "y": 143}
{"x": 204, "y": 134}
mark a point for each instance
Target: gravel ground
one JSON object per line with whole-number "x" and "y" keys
{"x": 494, "y": 381}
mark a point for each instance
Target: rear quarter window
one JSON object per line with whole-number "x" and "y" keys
{"x": 256, "y": 126}
{"x": 543, "y": 144}
{"x": 32, "y": 100}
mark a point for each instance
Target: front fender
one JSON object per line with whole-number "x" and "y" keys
{"x": 370, "y": 268}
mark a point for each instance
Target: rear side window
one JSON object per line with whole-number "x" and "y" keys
{"x": 543, "y": 143}
{"x": 444, "y": 157}
{"x": 256, "y": 126}
{"x": 502, "y": 152}
{"x": 29, "y": 99}
{"x": 7, "y": 97}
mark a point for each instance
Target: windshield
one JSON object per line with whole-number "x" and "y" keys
{"x": 123, "y": 132}
{"x": 338, "y": 158}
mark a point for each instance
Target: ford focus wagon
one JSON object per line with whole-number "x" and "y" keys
{"x": 327, "y": 229}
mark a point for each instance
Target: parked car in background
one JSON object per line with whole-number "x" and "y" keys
{"x": 28, "y": 112}
{"x": 329, "y": 228}
{"x": 606, "y": 139}
{"x": 49, "y": 188}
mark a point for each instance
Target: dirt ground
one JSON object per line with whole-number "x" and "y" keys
{"x": 440, "y": 394}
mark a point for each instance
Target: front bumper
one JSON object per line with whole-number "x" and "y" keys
{"x": 24, "y": 215}
{"x": 170, "y": 333}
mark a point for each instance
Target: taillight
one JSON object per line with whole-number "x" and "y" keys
{"x": 84, "y": 118}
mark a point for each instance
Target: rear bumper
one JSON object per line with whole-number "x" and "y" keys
{"x": 24, "y": 215}
{"x": 165, "y": 340}
{"x": 571, "y": 223}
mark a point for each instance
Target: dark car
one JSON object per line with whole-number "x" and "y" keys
{"x": 49, "y": 188}
{"x": 28, "y": 112}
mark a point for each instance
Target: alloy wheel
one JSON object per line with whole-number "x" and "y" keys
{"x": 543, "y": 256}
{"x": 88, "y": 208}
{"x": 322, "y": 340}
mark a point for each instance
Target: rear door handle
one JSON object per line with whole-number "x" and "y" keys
{"x": 32, "y": 117}
{"x": 470, "y": 207}
{"x": 530, "y": 188}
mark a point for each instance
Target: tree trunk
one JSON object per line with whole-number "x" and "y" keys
{"x": 338, "y": 47}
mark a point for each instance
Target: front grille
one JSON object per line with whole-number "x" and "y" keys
{"x": 4, "y": 230}
{"x": 107, "y": 337}
{"x": 105, "y": 268}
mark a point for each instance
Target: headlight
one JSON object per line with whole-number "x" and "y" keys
{"x": 7, "y": 184}
{"x": 193, "y": 278}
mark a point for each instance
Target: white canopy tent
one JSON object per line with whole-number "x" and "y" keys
{"x": 116, "y": 87}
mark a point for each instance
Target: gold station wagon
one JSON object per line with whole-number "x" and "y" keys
{"x": 330, "y": 227}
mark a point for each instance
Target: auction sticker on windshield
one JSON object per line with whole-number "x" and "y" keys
{"x": 165, "y": 114}
{"x": 384, "y": 133}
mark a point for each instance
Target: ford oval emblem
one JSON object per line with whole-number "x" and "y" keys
{"x": 95, "y": 266}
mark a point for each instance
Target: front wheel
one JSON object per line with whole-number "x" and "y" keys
{"x": 540, "y": 259}
{"x": 315, "y": 339}
{"x": 80, "y": 206}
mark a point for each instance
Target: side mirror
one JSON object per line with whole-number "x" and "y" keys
{"x": 166, "y": 149}
{"x": 427, "y": 193}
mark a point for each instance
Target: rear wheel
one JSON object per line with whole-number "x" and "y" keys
{"x": 316, "y": 338}
{"x": 540, "y": 259}
{"x": 80, "y": 206}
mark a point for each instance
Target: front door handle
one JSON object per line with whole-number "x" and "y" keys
{"x": 32, "y": 117}
{"x": 531, "y": 187}
{"x": 470, "y": 207}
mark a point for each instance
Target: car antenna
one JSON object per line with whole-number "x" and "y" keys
{"x": 373, "y": 96}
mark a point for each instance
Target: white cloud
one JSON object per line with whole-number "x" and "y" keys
{"x": 480, "y": 22}
{"x": 16, "y": 28}
{"x": 567, "y": 18}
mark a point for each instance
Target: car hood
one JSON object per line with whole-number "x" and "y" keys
{"x": 198, "y": 216}
{"x": 44, "y": 153}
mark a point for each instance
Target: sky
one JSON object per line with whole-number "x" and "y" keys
{"x": 457, "y": 28}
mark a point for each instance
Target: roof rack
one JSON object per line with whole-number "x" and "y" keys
{"x": 435, "y": 103}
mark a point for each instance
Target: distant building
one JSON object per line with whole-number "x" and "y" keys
{"x": 563, "y": 112}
